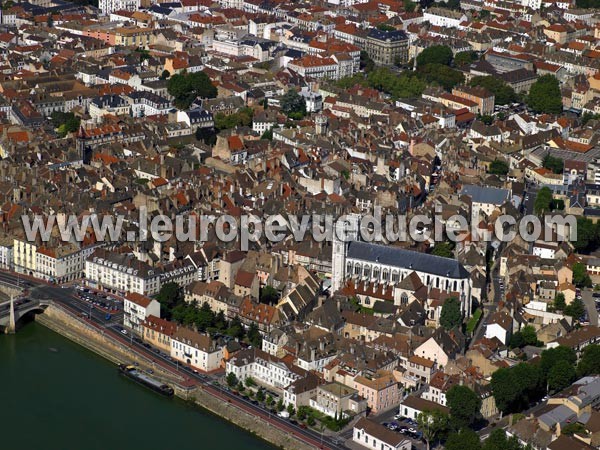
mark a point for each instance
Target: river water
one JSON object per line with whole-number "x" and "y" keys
{"x": 55, "y": 394}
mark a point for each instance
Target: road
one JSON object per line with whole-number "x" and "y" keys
{"x": 590, "y": 306}
{"x": 67, "y": 297}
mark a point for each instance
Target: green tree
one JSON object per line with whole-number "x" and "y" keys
{"x": 280, "y": 405}
{"x": 231, "y": 380}
{"x": 465, "y": 439}
{"x": 440, "y": 74}
{"x": 543, "y": 201}
{"x": 65, "y": 123}
{"x": 187, "y": 87}
{"x": 462, "y": 59}
{"x": 436, "y": 54}
{"x": 451, "y": 316}
{"x": 573, "y": 428}
{"x": 236, "y": 328}
{"x": 464, "y": 405}
{"x": 561, "y": 375}
{"x": 243, "y": 118}
{"x": 513, "y": 387}
{"x": 498, "y": 440}
{"x": 204, "y": 317}
{"x": 575, "y": 309}
{"x": 366, "y": 63}
{"x": 254, "y": 335}
{"x": 498, "y": 167}
{"x": 270, "y": 400}
{"x": 588, "y": 236}
{"x": 432, "y": 424}
{"x": 556, "y": 165}
{"x": 385, "y": 27}
{"x": 559, "y": 301}
{"x": 165, "y": 74}
{"x": 293, "y": 104}
{"x": 250, "y": 382}
{"x": 169, "y": 296}
{"x": 302, "y": 412}
{"x": 586, "y": 4}
{"x": 268, "y": 134}
{"x": 527, "y": 336}
{"x": 503, "y": 93}
{"x": 260, "y": 395}
{"x": 405, "y": 85}
{"x": 443, "y": 249}
{"x": 409, "y": 5}
{"x": 580, "y": 275}
{"x": 590, "y": 361}
{"x": 552, "y": 356}
{"x": 269, "y": 295}
{"x": 544, "y": 95}
{"x": 290, "y": 409}
{"x": 311, "y": 421}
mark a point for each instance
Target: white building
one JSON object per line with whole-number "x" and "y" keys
{"x": 443, "y": 17}
{"x": 62, "y": 263}
{"x": 372, "y": 435}
{"x": 136, "y": 308}
{"x": 265, "y": 368}
{"x": 499, "y": 326}
{"x": 485, "y": 199}
{"x": 108, "y": 6}
{"x": 121, "y": 273}
{"x": 195, "y": 349}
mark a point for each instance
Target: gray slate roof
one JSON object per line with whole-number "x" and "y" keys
{"x": 406, "y": 259}
{"x": 482, "y": 194}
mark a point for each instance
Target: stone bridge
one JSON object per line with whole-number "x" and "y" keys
{"x": 12, "y": 311}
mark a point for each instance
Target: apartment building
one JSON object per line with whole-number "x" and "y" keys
{"x": 484, "y": 99}
{"x": 136, "y": 308}
{"x": 158, "y": 332}
{"x": 387, "y": 48}
{"x": 196, "y": 349}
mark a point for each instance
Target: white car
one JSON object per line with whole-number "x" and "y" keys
{"x": 124, "y": 331}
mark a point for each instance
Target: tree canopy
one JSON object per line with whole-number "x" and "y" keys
{"x": 498, "y": 167}
{"x": 561, "y": 375}
{"x": 575, "y": 309}
{"x": 440, "y": 74}
{"x": 465, "y": 439}
{"x": 498, "y": 440}
{"x": 443, "y": 249}
{"x": 436, "y": 54}
{"x": 432, "y": 424}
{"x": 462, "y": 59}
{"x": 503, "y": 93}
{"x": 405, "y": 85}
{"x": 451, "y": 316}
{"x": 187, "y": 87}
{"x": 464, "y": 405}
{"x": 544, "y": 95}
{"x": 556, "y": 165}
{"x": 526, "y": 336}
{"x": 580, "y": 275}
{"x": 513, "y": 387}
{"x": 588, "y": 236}
{"x": 293, "y": 104}
{"x": 590, "y": 361}
{"x": 65, "y": 123}
{"x": 543, "y": 201}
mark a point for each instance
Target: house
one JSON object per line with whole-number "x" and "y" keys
{"x": 338, "y": 400}
{"x": 372, "y": 435}
{"x": 499, "y": 325}
{"x": 136, "y": 308}
{"x": 299, "y": 392}
{"x": 381, "y": 391}
{"x": 484, "y": 199}
{"x": 158, "y": 332}
{"x": 195, "y": 349}
{"x": 418, "y": 371}
{"x": 412, "y": 406}
{"x": 439, "y": 348}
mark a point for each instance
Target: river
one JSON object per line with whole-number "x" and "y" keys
{"x": 56, "y": 395}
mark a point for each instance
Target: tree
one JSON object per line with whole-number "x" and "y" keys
{"x": 432, "y": 424}
{"x": 588, "y": 236}
{"x": 514, "y": 386}
{"x": 236, "y": 329}
{"x": 231, "y": 380}
{"x": 279, "y": 405}
{"x": 290, "y": 409}
{"x": 409, "y": 5}
{"x": 503, "y": 93}
{"x": 187, "y": 87}
{"x": 250, "y": 382}
{"x": 462, "y": 59}
{"x": 465, "y": 439}
{"x": 270, "y": 400}
{"x": 65, "y": 123}
{"x": 366, "y": 63}
{"x": 451, "y": 316}
{"x": 311, "y": 421}
{"x": 440, "y": 74}
{"x": 385, "y": 27}
{"x": 302, "y": 412}
{"x": 268, "y": 134}
{"x": 527, "y": 336}
{"x": 580, "y": 275}
{"x": 254, "y": 335}
{"x": 165, "y": 74}
{"x": 556, "y": 165}
{"x": 559, "y": 301}
{"x": 293, "y": 104}
{"x": 464, "y": 405}
{"x": 50, "y": 21}
{"x": 590, "y": 361}
{"x": 561, "y": 375}
{"x": 204, "y": 317}
{"x": 498, "y": 167}
{"x": 436, "y": 54}
{"x": 543, "y": 201}
{"x": 269, "y": 295}
{"x": 443, "y": 249}
{"x": 544, "y": 95}
{"x": 243, "y": 117}
{"x": 551, "y": 358}
{"x": 260, "y": 395}
{"x": 575, "y": 309}
{"x": 498, "y": 440}
{"x": 588, "y": 4}
{"x": 169, "y": 296}
{"x": 406, "y": 85}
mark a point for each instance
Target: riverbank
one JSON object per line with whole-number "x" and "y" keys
{"x": 100, "y": 342}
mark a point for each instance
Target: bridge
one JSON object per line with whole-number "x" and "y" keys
{"x": 12, "y": 311}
